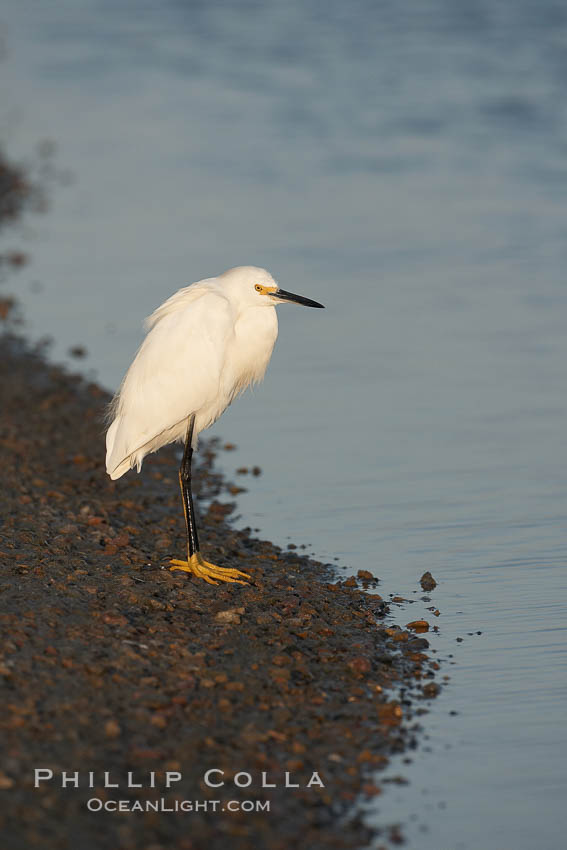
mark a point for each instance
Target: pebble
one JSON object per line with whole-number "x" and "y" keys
{"x": 427, "y": 582}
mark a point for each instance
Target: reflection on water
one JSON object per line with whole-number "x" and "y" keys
{"x": 404, "y": 163}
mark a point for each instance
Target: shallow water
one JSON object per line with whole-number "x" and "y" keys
{"x": 405, "y": 164}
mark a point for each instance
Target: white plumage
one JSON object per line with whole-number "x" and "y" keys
{"x": 204, "y": 346}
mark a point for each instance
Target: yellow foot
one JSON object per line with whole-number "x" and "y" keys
{"x": 209, "y": 572}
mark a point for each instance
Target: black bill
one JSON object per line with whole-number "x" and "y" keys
{"x": 282, "y": 295}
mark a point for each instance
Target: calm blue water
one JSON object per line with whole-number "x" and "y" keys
{"x": 406, "y": 164}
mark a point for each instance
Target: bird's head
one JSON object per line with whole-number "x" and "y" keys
{"x": 253, "y": 286}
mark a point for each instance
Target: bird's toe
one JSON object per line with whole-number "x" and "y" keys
{"x": 208, "y": 571}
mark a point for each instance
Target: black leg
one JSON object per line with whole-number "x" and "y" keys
{"x": 195, "y": 563}
{"x": 186, "y": 495}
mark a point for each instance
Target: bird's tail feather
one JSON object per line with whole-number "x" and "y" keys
{"x": 123, "y": 467}
{"x": 116, "y": 463}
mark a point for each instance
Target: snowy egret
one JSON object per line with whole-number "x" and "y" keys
{"x": 204, "y": 346}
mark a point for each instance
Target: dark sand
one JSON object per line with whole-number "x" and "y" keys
{"x": 110, "y": 662}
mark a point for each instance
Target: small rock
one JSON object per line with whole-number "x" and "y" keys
{"x": 427, "y": 582}
{"x": 121, "y": 539}
{"x": 6, "y": 782}
{"x": 418, "y": 626}
{"x": 390, "y": 713}
{"x": 418, "y": 644}
{"x": 401, "y": 637}
{"x": 114, "y": 619}
{"x": 230, "y": 616}
{"x": 112, "y": 729}
{"x": 360, "y": 665}
{"x": 371, "y": 790}
{"x": 78, "y": 351}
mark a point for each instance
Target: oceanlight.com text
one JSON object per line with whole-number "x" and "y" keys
{"x": 95, "y": 804}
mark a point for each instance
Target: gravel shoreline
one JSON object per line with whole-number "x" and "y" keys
{"x": 110, "y": 662}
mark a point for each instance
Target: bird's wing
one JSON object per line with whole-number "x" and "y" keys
{"x": 180, "y": 299}
{"x": 176, "y": 371}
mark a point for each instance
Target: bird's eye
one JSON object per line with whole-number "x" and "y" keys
{"x": 258, "y": 288}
